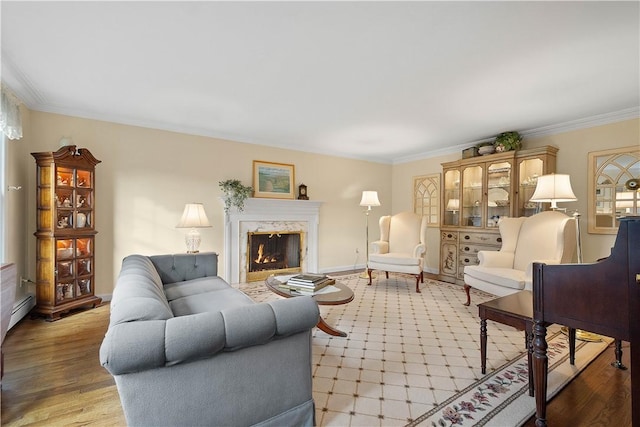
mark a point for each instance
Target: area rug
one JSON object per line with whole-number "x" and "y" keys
{"x": 414, "y": 358}
{"x": 502, "y": 398}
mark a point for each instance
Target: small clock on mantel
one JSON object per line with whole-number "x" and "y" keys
{"x": 302, "y": 192}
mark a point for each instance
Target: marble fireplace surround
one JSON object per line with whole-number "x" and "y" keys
{"x": 260, "y": 215}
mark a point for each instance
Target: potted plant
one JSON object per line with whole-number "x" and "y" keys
{"x": 507, "y": 141}
{"x": 234, "y": 194}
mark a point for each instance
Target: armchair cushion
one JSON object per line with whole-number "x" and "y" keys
{"x": 395, "y": 258}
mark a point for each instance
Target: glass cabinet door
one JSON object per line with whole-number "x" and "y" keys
{"x": 451, "y": 199}
{"x": 499, "y": 178}
{"x": 73, "y": 198}
{"x": 74, "y": 269}
{"x": 472, "y": 197}
{"x": 530, "y": 170}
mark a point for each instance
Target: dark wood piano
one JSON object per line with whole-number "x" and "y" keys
{"x": 602, "y": 297}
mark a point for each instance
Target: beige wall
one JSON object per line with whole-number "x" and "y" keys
{"x": 146, "y": 176}
{"x": 574, "y": 147}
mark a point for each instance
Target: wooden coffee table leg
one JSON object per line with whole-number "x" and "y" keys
{"x": 483, "y": 345}
{"x": 324, "y": 327}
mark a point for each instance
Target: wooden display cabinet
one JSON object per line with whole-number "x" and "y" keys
{"x": 476, "y": 193}
{"x": 65, "y": 219}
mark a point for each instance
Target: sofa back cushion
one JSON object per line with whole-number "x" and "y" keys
{"x": 182, "y": 267}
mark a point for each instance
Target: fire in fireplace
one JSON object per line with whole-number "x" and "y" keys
{"x": 273, "y": 253}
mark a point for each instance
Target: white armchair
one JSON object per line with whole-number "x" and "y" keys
{"x": 401, "y": 247}
{"x": 548, "y": 237}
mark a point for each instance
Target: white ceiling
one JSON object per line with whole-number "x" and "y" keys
{"x": 381, "y": 81}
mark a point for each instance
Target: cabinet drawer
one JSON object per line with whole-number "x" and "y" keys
{"x": 482, "y": 238}
{"x": 472, "y": 249}
{"x": 467, "y": 259}
{"x": 449, "y": 236}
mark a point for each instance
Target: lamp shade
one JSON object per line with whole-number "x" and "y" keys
{"x": 453, "y": 205}
{"x": 193, "y": 217}
{"x": 369, "y": 198}
{"x": 554, "y": 188}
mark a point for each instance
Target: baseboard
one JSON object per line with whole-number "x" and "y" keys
{"x": 105, "y": 297}
{"x": 22, "y": 308}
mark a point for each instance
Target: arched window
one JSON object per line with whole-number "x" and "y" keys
{"x": 613, "y": 188}
{"x": 426, "y": 198}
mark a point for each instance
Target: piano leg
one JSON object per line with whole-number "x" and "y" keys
{"x": 528, "y": 337}
{"x": 483, "y": 345}
{"x": 540, "y": 366}
{"x": 618, "y": 363}
{"x": 572, "y": 346}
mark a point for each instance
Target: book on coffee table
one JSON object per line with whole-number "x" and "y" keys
{"x": 307, "y": 287}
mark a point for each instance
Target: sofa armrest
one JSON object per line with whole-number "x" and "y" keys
{"x": 379, "y": 247}
{"x": 496, "y": 259}
{"x": 142, "y": 345}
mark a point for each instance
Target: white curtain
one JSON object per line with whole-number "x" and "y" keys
{"x": 10, "y": 120}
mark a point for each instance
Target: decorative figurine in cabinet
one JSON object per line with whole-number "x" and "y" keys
{"x": 65, "y": 249}
{"x": 476, "y": 193}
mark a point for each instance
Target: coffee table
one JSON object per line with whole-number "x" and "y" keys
{"x": 342, "y": 296}
{"x": 514, "y": 310}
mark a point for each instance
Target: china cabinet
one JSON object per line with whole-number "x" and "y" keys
{"x": 65, "y": 220}
{"x": 476, "y": 193}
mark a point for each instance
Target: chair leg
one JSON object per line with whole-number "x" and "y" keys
{"x": 466, "y": 289}
{"x": 386, "y": 274}
{"x": 369, "y": 273}
{"x": 418, "y": 282}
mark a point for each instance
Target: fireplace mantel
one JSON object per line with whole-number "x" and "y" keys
{"x": 262, "y": 212}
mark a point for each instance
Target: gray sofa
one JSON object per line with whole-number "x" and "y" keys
{"x": 187, "y": 349}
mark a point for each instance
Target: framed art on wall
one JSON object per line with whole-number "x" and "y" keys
{"x": 273, "y": 180}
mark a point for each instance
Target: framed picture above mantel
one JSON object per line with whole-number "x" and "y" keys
{"x": 273, "y": 180}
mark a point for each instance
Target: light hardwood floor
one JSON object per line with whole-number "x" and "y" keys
{"x": 53, "y": 375}
{"x": 53, "y": 378}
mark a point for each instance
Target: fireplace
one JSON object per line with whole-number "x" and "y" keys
{"x": 269, "y": 217}
{"x": 273, "y": 253}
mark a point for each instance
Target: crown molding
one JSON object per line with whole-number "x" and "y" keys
{"x": 584, "y": 123}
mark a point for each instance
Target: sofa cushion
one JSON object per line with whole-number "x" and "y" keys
{"x": 216, "y": 300}
{"x": 506, "y": 277}
{"x": 177, "y": 290}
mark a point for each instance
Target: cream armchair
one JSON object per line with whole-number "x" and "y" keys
{"x": 548, "y": 237}
{"x": 401, "y": 247}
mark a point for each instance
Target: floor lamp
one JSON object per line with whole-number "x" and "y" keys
{"x": 556, "y": 188}
{"x": 369, "y": 199}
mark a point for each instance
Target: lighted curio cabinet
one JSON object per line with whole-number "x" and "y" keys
{"x": 476, "y": 193}
{"x": 65, "y": 222}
